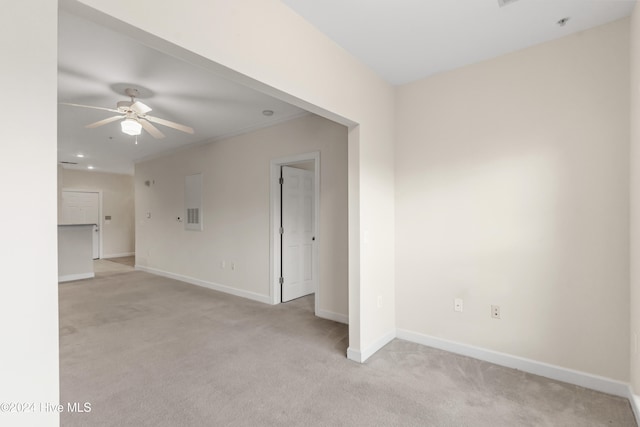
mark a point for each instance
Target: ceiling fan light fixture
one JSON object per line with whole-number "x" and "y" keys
{"x": 131, "y": 127}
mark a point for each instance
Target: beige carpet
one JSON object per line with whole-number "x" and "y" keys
{"x": 105, "y": 267}
{"x": 150, "y": 351}
{"x": 125, "y": 260}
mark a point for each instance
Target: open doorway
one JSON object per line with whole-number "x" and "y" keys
{"x": 295, "y": 219}
{"x": 240, "y": 264}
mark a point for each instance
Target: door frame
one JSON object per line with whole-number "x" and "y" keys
{"x": 275, "y": 255}
{"x": 80, "y": 190}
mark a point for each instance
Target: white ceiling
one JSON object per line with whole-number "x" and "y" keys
{"x": 405, "y": 40}
{"x": 95, "y": 66}
{"x": 401, "y": 40}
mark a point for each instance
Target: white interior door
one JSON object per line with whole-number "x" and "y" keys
{"x": 298, "y": 238}
{"x": 79, "y": 207}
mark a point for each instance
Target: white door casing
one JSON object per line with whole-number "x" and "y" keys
{"x": 96, "y": 242}
{"x": 298, "y": 238}
{"x": 83, "y": 207}
{"x": 275, "y": 254}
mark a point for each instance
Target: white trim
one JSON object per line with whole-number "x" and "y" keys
{"x": 583, "y": 379}
{"x": 123, "y": 254}
{"x": 354, "y": 355}
{"x": 274, "y": 200}
{"x": 634, "y": 400}
{"x": 330, "y": 315}
{"x": 361, "y": 356}
{"x": 210, "y": 285}
{"x": 80, "y": 276}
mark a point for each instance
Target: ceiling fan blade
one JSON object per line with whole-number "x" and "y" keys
{"x": 90, "y": 106}
{"x": 104, "y": 122}
{"x": 140, "y": 108}
{"x": 151, "y": 129}
{"x": 170, "y": 124}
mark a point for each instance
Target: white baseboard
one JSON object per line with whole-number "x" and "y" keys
{"x": 583, "y": 379}
{"x": 361, "y": 356}
{"x": 70, "y": 277}
{"x": 123, "y": 254}
{"x": 330, "y": 315}
{"x": 634, "y": 400}
{"x": 354, "y": 355}
{"x": 210, "y": 285}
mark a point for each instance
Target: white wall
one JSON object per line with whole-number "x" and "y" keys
{"x": 635, "y": 197}
{"x": 265, "y": 36}
{"x": 29, "y": 291}
{"x": 253, "y": 42}
{"x": 512, "y": 189}
{"x": 236, "y": 205}
{"x": 60, "y": 181}
{"x": 117, "y": 201}
{"x": 75, "y": 250}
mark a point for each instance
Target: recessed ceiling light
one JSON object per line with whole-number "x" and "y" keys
{"x": 89, "y": 167}
{"x": 79, "y": 155}
{"x": 267, "y": 113}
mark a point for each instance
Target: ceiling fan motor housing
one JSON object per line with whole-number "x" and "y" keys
{"x": 124, "y": 106}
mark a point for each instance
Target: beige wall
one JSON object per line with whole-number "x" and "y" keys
{"x": 266, "y": 36}
{"x": 324, "y": 79}
{"x": 236, "y": 217}
{"x": 635, "y": 197}
{"x": 29, "y": 291}
{"x": 512, "y": 189}
{"x": 117, "y": 201}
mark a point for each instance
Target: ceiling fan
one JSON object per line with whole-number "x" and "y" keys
{"x": 134, "y": 117}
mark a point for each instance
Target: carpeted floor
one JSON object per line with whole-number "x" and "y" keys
{"x": 149, "y": 351}
{"x": 125, "y": 260}
{"x": 106, "y": 267}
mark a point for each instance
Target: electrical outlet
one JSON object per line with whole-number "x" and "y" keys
{"x": 233, "y": 265}
{"x": 495, "y": 311}
{"x": 223, "y": 264}
{"x": 457, "y": 304}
